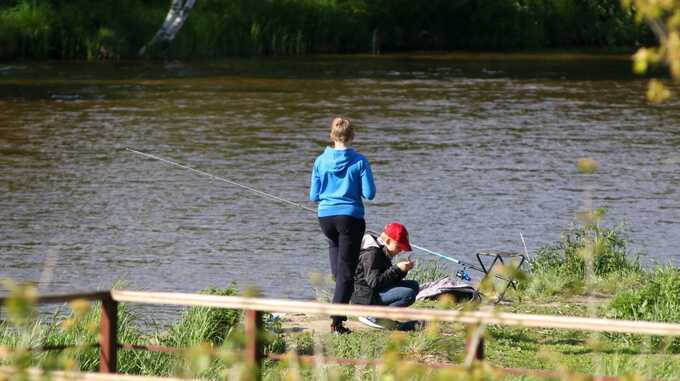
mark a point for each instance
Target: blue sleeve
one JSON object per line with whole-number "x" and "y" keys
{"x": 367, "y": 185}
{"x": 315, "y": 185}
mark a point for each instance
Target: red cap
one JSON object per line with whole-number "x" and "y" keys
{"x": 397, "y": 232}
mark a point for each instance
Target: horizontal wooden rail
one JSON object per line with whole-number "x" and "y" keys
{"x": 150, "y": 348}
{"x": 65, "y": 298}
{"x": 40, "y": 375}
{"x": 396, "y": 313}
{"x": 46, "y": 348}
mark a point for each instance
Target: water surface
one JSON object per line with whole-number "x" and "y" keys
{"x": 466, "y": 153}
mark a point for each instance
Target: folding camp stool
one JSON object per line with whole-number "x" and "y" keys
{"x": 501, "y": 257}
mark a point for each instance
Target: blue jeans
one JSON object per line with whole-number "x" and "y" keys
{"x": 401, "y": 294}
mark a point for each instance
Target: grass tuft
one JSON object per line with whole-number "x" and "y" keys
{"x": 560, "y": 269}
{"x": 610, "y": 253}
{"x": 657, "y": 300}
{"x": 203, "y": 324}
{"x": 427, "y": 271}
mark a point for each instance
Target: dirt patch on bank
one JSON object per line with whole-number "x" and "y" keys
{"x": 298, "y": 323}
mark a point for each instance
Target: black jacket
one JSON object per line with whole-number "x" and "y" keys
{"x": 375, "y": 271}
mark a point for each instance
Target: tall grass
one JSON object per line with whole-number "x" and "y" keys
{"x": 658, "y": 299}
{"x": 203, "y": 324}
{"x": 427, "y": 271}
{"x": 560, "y": 269}
{"x": 610, "y": 252}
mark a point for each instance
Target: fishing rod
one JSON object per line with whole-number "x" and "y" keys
{"x": 178, "y": 165}
{"x": 460, "y": 274}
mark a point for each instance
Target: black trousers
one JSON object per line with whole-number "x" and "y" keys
{"x": 344, "y": 235}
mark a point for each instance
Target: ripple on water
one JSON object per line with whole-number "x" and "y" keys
{"x": 466, "y": 154}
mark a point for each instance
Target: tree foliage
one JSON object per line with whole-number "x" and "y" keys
{"x": 112, "y": 28}
{"x": 663, "y": 17}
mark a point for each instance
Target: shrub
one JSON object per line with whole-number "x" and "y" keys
{"x": 560, "y": 269}
{"x": 25, "y": 29}
{"x": 610, "y": 253}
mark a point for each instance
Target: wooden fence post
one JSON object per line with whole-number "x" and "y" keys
{"x": 254, "y": 346}
{"x": 474, "y": 343}
{"x": 108, "y": 339}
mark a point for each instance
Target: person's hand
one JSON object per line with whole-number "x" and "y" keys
{"x": 405, "y": 266}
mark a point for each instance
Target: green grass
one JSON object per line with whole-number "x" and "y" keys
{"x": 427, "y": 271}
{"x": 203, "y": 324}
{"x": 507, "y": 347}
{"x": 657, "y": 299}
{"x": 548, "y": 349}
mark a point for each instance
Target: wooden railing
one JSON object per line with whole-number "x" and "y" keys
{"x": 108, "y": 326}
{"x": 254, "y": 307}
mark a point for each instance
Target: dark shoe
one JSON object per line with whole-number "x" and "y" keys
{"x": 339, "y": 329}
{"x": 413, "y": 325}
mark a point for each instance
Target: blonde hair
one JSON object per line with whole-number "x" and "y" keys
{"x": 342, "y": 130}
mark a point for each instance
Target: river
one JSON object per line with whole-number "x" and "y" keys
{"x": 466, "y": 152}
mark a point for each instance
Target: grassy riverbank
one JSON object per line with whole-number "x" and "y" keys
{"x": 563, "y": 282}
{"x": 77, "y": 29}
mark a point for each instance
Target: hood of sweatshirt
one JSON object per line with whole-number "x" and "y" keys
{"x": 337, "y": 160}
{"x": 369, "y": 241}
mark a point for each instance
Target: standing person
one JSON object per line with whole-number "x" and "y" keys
{"x": 341, "y": 177}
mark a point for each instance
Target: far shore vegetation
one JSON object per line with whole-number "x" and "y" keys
{"x": 111, "y": 29}
{"x": 562, "y": 282}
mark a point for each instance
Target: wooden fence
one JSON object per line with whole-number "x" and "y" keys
{"x": 254, "y": 307}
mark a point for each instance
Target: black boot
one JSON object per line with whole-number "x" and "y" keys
{"x": 339, "y": 329}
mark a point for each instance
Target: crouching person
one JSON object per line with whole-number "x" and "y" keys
{"x": 379, "y": 282}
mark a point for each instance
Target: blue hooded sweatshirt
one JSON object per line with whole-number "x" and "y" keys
{"x": 340, "y": 178}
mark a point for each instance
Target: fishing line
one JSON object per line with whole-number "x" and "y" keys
{"x": 178, "y": 165}
{"x": 283, "y": 200}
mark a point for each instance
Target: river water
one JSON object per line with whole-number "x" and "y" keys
{"x": 466, "y": 152}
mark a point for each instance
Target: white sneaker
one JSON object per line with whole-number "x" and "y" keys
{"x": 370, "y": 321}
